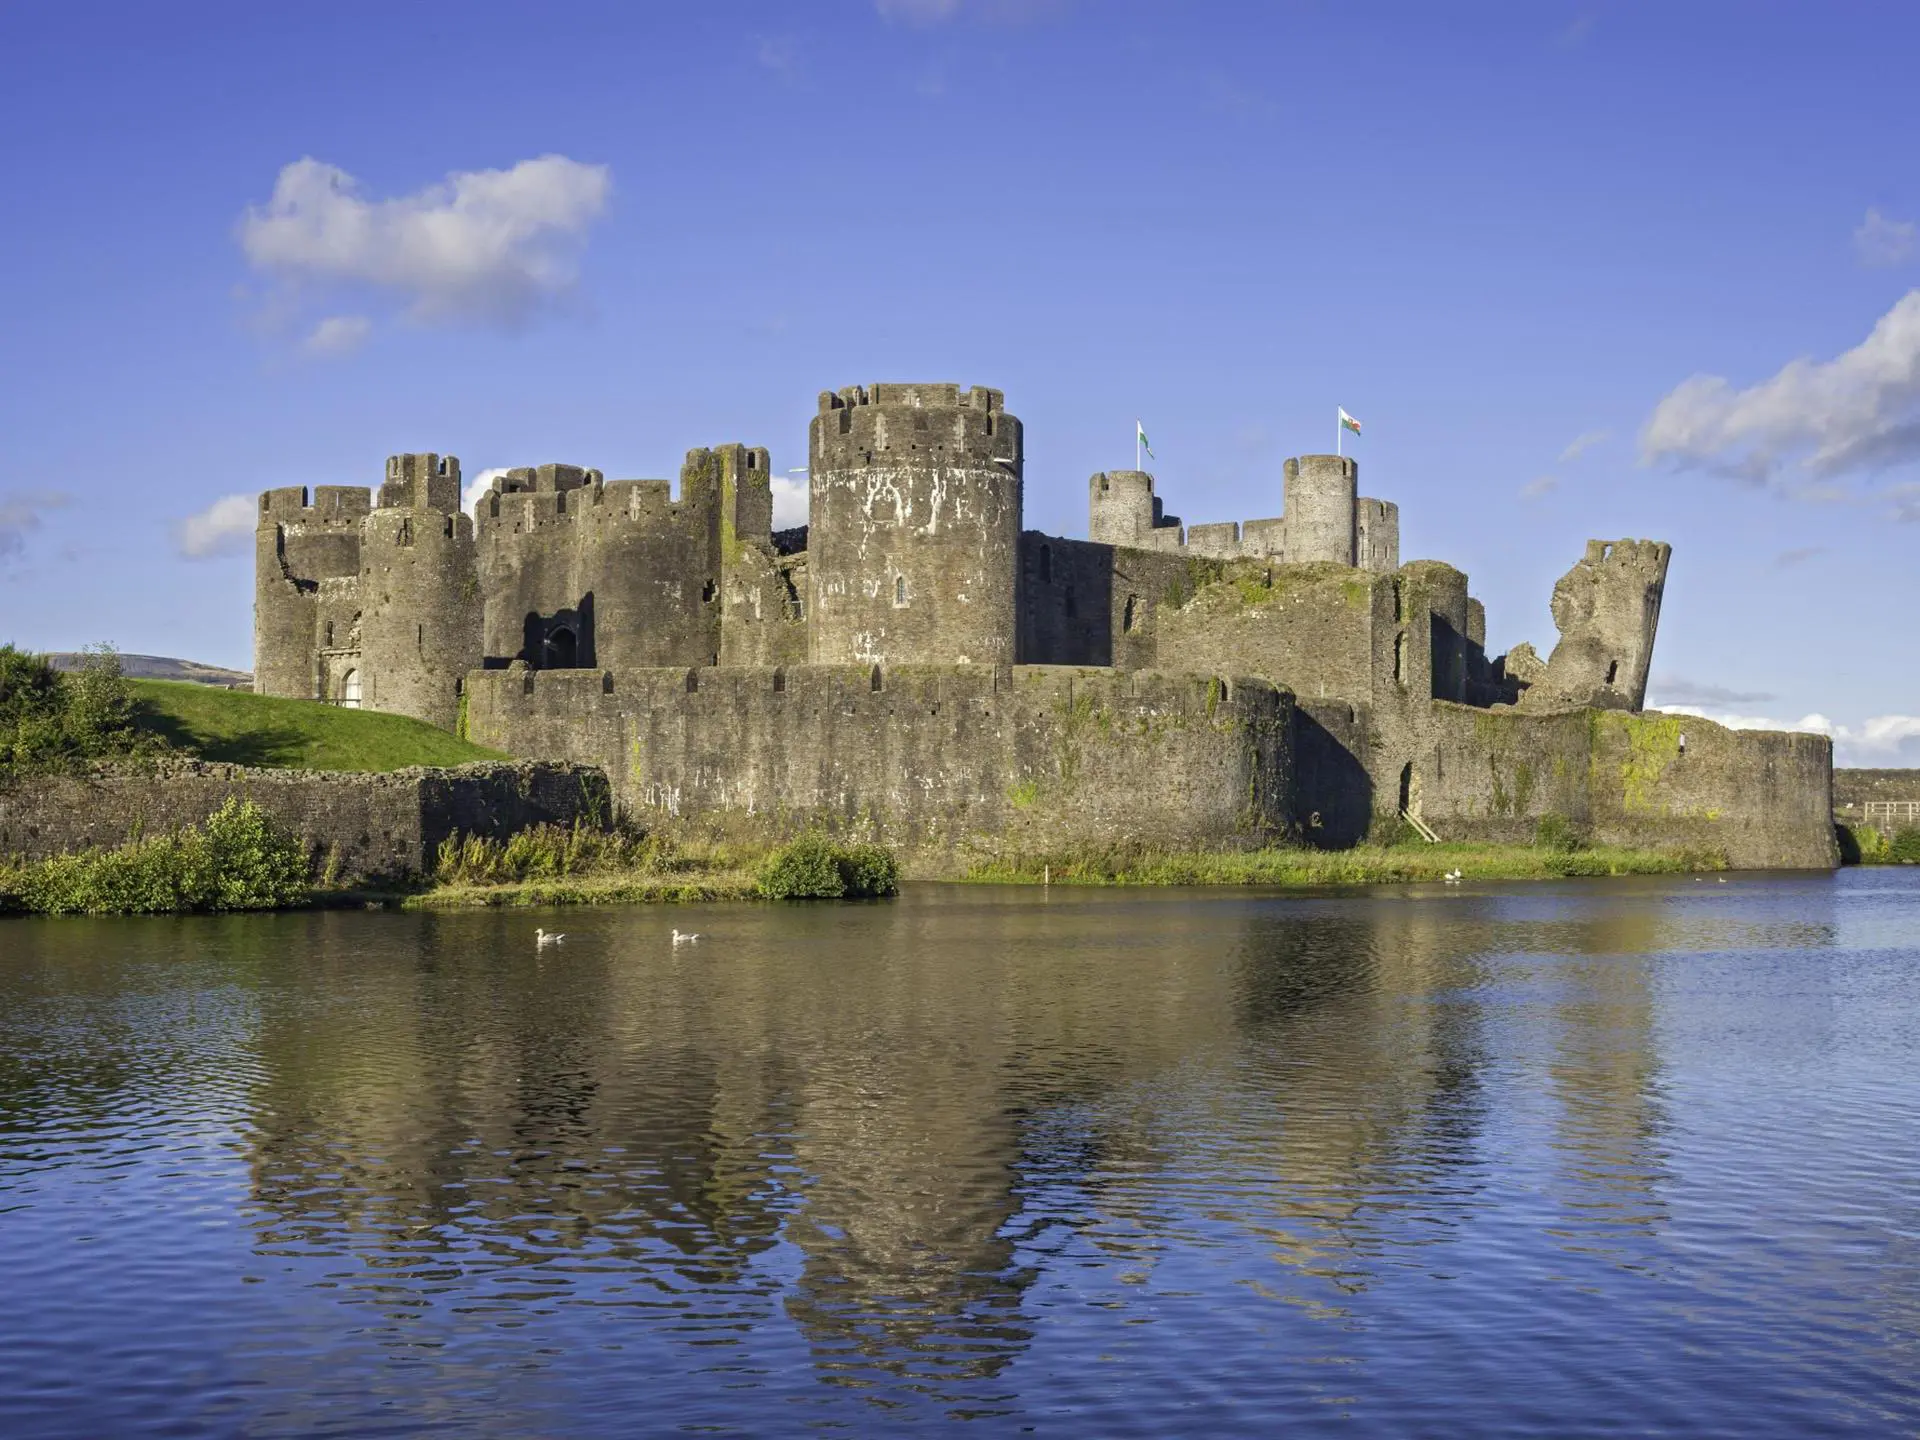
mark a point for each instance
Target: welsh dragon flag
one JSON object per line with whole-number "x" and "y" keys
{"x": 1347, "y": 422}
{"x": 1140, "y": 435}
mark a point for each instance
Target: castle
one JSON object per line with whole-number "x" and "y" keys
{"x": 916, "y": 665}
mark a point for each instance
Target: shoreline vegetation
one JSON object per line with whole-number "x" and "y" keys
{"x": 239, "y": 860}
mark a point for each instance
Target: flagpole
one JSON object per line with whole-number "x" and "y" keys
{"x": 1338, "y": 435}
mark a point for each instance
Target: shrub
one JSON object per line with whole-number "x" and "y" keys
{"x": 1904, "y": 848}
{"x": 50, "y": 721}
{"x": 544, "y": 852}
{"x": 1558, "y": 834}
{"x": 237, "y": 860}
{"x": 812, "y": 867}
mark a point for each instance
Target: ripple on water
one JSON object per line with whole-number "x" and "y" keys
{"x": 1583, "y": 1158}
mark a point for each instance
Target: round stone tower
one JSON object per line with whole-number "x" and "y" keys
{"x": 419, "y": 593}
{"x": 914, "y": 526}
{"x": 1320, "y": 495}
{"x": 1121, "y": 506}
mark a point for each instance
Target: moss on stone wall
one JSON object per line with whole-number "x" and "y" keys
{"x": 1653, "y": 744}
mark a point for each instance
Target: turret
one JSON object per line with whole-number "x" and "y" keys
{"x": 419, "y": 593}
{"x": 1123, "y": 510}
{"x": 1320, "y": 495}
{"x": 422, "y": 482}
{"x": 915, "y": 500}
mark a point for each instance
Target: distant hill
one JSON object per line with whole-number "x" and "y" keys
{"x": 162, "y": 667}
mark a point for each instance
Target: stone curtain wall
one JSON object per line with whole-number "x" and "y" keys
{"x": 1762, "y": 797}
{"x": 382, "y": 826}
{"x": 930, "y": 760}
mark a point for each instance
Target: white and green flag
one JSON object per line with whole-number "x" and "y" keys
{"x": 1347, "y": 422}
{"x": 1140, "y": 443}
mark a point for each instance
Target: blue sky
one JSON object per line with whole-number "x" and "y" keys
{"x": 1506, "y": 237}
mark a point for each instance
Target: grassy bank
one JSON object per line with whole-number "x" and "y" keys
{"x": 240, "y": 860}
{"x": 1362, "y": 865}
{"x": 248, "y": 729}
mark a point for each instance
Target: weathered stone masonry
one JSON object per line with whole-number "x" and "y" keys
{"x": 896, "y": 663}
{"x": 371, "y": 826}
{"x": 927, "y": 758}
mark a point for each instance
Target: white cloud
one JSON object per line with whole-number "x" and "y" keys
{"x": 1859, "y": 411}
{"x": 337, "y": 335}
{"x": 1878, "y": 741}
{"x": 22, "y": 514}
{"x": 1677, "y": 690}
{"x": 1580, "y": 444}
{"x": 1538, "y": 486}
{"x": 1880, "y": 241}
{"x": 488, "y": 245}
{"x": 223, "y": 528}
{"x": 471, "y": 492}
{"x": 789, "y": 502}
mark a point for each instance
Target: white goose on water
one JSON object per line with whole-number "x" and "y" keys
{"x": 682, "y": 938}
{"x": 541, "y": 939}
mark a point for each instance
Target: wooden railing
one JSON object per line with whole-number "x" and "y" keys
{"x": 1891, "y": 812}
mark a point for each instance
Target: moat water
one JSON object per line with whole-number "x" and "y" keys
{"x": 1598, "y": 1157}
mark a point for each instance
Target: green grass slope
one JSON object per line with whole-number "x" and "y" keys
{"x": 248, "y": 729}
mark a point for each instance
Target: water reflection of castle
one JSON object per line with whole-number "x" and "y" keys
{"x": 882, "y": 1133}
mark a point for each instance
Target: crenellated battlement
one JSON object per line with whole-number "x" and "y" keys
{"x": 335, "y": 505}
{"x": 877, "y": 426}
{"x": 1324, "y": 520}
{"x": 937, "y": 396}
{"x": 421, "y": 482}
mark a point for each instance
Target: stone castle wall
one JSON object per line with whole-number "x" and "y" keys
{"x": 380, "y": 826}
{"x": 940, "y": 759}
{"x": 1326, "y": 520}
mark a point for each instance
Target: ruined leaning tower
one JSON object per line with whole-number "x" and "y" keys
{"x": 419, "y": 592}
{"x": 914, "y": 529}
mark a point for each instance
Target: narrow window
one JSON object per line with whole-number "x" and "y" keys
{"x": 1046, "y": 564}
{"x": 1613, "y": 669}
{"x": 1400, "y": 658}
{"x": 779, "y": 682}
{"x": 420, "y": 636}
{"x": 899, "y": 589}
{"x": 329, "y": 640}
{"x": 1127, "y": 616}
{"x": 707, "y": 593}
{"x": 874, "y": 680}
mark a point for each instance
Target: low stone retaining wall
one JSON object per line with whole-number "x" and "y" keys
{"x": 383, "y": 826}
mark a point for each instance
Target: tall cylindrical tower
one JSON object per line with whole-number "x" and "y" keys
{"x": 420, "y": 600}
{"x": 1320, "y": 495}
{"x": 914, "y": 526}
